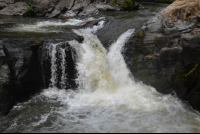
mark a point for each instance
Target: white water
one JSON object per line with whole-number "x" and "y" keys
{"x": 43, "y": 26}
{"x": 108, "y": 99}
{"x": 63, "y": 66}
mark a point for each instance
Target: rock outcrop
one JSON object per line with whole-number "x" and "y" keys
{"x": 165, "y": 52}
{"x": 25, "y": 68}
{"x": 59, "y": 8}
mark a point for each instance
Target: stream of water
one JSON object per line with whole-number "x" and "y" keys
{"x": 108, "y": 99}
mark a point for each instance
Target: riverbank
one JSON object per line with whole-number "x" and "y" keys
{"x": 165, "y": 52}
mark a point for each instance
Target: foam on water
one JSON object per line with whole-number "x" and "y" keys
{"x": 44, "y": 26}
{"x": 108, "y": 99}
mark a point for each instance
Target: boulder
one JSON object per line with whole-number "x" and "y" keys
{"x": 62, "y": 6}
{"x": 17, "y": 9}
{"x": 165, "y": 52}
{"x": 25, "y": 69}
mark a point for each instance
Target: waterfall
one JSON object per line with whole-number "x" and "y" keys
{"x": 107, "y": 100}
{"x": 53, "y": 65}
{"x": 54, "y": 50}
{"x": 63, "y": 66}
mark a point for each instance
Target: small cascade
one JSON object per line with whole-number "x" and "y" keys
{"x": 53, "y": 53}
{"x": 58, "y": 66}
{"x": 63, "y": 81}
{"x": 108, "y": 99}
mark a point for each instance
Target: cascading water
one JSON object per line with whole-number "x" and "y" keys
{"x": 53, "y": 51}
{"x": 107, "y": 100}
{"x": 63, "y": 66}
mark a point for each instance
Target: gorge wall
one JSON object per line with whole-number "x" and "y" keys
{"x": 165, "y": 53}
{"x": 59, "y": 8}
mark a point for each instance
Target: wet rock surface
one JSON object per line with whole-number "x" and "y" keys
{"x": 59, "y": 8}
{"x": 25, "y": 68}
{"x": 164, "y": 53}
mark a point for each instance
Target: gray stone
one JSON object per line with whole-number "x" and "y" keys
{"x": 104, "y": 7}
{"x": 169, "y": 56}
{"x": 87, "y": 10}
{"x": 17, "y": 9}
{"x": 170, "y": 31}
{"x": 69, "y": 14}
{"x": 154, "y": 27}
{"x": 62, "y": 6}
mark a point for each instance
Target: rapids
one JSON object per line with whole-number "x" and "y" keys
{"x": 107, "y": 100}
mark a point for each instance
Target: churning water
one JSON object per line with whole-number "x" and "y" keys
{"x": 107, "y": 100}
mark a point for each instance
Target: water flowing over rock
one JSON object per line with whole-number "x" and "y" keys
{"x": 166, "y": 49}
{"x": 26, "y": 68}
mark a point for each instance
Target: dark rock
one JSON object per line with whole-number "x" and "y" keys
{"x": 42, "y": 7}
{"x": 25, "y": 76}
{"x": 190, "y": 53}
{"x": 62, "y": 6}
{"x": 80, "y": 4}
{"x": 4, "y": 70}
{"x": 2, "y": 5}
{"x": 88, "y": 10}
{"x": 7, "y": 1}
{"x": 136, "y": 6}
{"x": 169, "y": 56}
{"x": 91, "y": 23}
{"x": 69, "y": 14}
{"x": 45, "y": 60}
{"x": 104, "y": 7}
{"x": 3, "y": 25}
{"x": 25, "y": 69}
{"x": 170, "y": 31}
{"x": 17, "y": 9}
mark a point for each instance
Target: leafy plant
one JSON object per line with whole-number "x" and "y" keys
{"x": 113, "y": 2}
{"x": 127, "y": 5}
{"x": 29, "y": 10}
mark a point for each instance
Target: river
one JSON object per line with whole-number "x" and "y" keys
{"x": 108, "y": 98}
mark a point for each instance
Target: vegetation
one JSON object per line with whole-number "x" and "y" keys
{"x": 29, "y": 10}
{"x": 184, "y": 74}
{"x": 113, "y": 2}
{"x": 127, "y": 5}
{"x": 36, "y": 42}
{"x": 140, "y": 34}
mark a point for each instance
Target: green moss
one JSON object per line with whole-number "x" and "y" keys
{"x": 183, "y": 74}
{"x": 180, "y": 74}
{"x": 140, "y": 34}
{"x": 113, "y": 2}
{"x": 127, "y": 5}
{"x": 191, "y": 71}
{"x": 29, "y": 10}
{"x": 36, "y": 42}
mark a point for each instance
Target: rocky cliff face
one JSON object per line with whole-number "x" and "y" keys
{"x": 59, "y": 8}
{"x": 165, "y": 53}
{"x": 25, "y": 68}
